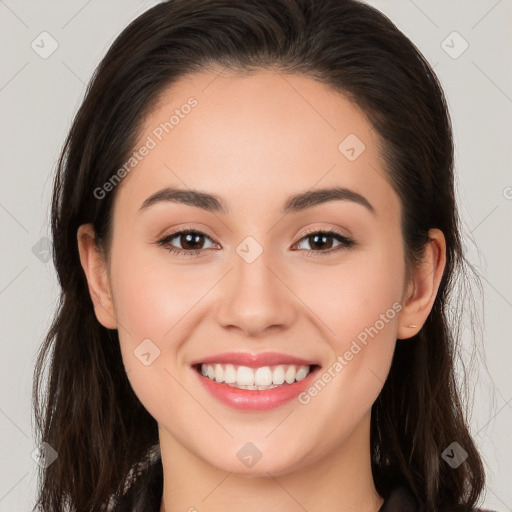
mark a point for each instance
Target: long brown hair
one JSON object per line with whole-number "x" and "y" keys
{"x": 85, "y": 407}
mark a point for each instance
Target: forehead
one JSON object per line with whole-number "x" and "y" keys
{"x": 264, "y": 135}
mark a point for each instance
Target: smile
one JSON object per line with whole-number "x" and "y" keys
{"x": 264, "y": 377}
{"x": 254, "y": 382}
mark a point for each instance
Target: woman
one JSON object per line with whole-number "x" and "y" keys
{"x": 256, "y": 237}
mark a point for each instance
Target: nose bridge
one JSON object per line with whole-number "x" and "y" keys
{"x": 253, "y": 296}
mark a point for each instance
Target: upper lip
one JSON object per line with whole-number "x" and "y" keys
{"x": 254, "y": 360}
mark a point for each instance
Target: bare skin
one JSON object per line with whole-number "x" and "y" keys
{"x": 255, "y": 141}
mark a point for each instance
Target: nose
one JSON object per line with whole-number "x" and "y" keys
{"x": 255, "y": 299}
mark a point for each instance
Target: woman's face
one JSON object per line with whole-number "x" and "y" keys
{"x": 255, "y": 281}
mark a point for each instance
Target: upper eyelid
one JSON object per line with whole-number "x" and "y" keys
{"x": 181, "y": 231}
{"x": 347, "y": 239}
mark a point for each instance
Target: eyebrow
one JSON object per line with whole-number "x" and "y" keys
{"x": 296, "y": 203}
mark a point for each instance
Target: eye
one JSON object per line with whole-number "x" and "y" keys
{"x": 324, "y": 240}
{"x": 190, "y": 242}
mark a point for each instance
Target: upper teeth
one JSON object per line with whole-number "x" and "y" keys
{"x": 265, "y": 377}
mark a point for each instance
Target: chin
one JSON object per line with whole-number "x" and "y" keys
{"x": 272, "y": 463}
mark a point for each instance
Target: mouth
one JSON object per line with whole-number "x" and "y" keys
{"x": 260, "y": 383}
{"x": 260, "y": 378}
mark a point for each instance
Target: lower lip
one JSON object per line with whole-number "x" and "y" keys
{"x": 254, "y": 399}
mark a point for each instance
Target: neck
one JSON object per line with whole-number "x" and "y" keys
{"x": 340, "y": 482}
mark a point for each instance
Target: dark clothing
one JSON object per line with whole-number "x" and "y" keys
{"x": 401, "y": 500}
{"x": 150, "y": 495}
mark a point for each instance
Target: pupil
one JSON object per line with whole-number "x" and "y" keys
{"x": 321, "y": 237}
{"x": 189, "y": 237}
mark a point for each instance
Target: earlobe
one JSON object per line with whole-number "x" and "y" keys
{"x": 95, "y": 269}
{"x": 422, "y": 292}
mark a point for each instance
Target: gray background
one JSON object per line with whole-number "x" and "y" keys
{"x": 39, "y": 96}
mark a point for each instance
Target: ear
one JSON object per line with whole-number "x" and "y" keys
{"x": 95, "y": 269}
{"x": 422, "y": 288}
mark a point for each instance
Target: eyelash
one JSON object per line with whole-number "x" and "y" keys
{"x": 345, "y": 242}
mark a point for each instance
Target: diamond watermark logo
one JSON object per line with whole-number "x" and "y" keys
{"x": 249, "y": 455}
{"x": 146, "y": 352}
{"x": 44, "y": 45}
{"x": 249, "y": 249}
{"x": 42, "y": 250}
{"x": 454, "y": 455}
{"x": 351, "y": 147}
{"x": 454, "y": 45}
{"x": 44, "y": 455}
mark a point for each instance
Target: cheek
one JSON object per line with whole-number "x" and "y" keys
{"x": 357, "y": 294}
{"x": 151, "y": 309}
{"x": 152, "y": 300}
{"x": 359, "y": 304}
{"x": 156, "y": 306}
